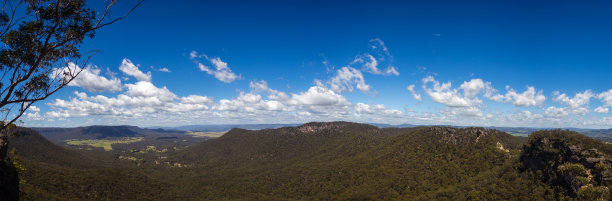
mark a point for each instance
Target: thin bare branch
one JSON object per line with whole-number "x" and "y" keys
{"x": 98, "y": 25}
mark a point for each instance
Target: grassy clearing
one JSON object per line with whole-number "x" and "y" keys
{"x": 519, "y": 134}
{"x": 206, "y": 134}
{"x": 106, "y": 144}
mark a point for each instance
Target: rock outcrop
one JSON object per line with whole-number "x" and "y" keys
{"x": 567, "y": 159}
{"x": 9, "y": 181}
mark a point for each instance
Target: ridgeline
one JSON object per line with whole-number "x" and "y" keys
{"x": 331, "y": 161}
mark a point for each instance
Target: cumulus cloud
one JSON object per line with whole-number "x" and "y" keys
{"x": 33, "y": 114}
{"x": 413, "y": 92}
{"x": 462, "y": 111}
{"x": 523, "y": 117}
{"x": 250, "y": 103}
{"x": 196, "y": 99}
{"x": 475, "y": 86}
{"x": 606, "y": 98}
{"x": 375, "y": 109}
{"x": 140, "y": 99}
{"x": 318, "y": 96}
{"x": 601, "y": 109}
{"x": 345, "y": 78}
{"x": 90, "y": 79}
{"x": 556, "y": 112}
{"x": 577, "y": 105}
{"x": 526, "y": 99}
{"x": 444, "y": 94}
{"x": 221, "y": 70}
{"x": 130, "y": 69}
{"x": 34, "y": 109}
{"x": 262, "y": 86}
{"x": 147, "y": 89}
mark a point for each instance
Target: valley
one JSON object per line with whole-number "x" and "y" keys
{"x": 319, "y": 160}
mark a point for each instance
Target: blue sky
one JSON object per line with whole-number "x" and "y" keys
{"x": 481, "y": 63}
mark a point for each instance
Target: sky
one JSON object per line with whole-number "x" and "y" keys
{"x": 465, "y": 63}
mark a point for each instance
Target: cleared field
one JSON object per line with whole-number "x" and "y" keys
{"x": 206, "y": 134}
{"x": 519, "y": 134}
{"x": 106, "y": 144}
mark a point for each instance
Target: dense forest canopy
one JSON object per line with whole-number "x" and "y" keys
{"x": 337, "y": 160}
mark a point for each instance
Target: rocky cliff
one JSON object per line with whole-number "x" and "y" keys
{"x": 570, "y": 160}
{"x": 9, "y": 181}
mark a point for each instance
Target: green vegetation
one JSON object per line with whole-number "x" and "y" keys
{"x": 206, "y": 134}
{"x": 333, "y": 161}
{"x": 519, "y": 134}
{"x": 104, "y": 143}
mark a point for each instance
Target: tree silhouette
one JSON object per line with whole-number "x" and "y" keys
{"x": 40, "y": 52}
{"x": 40, "y": 55}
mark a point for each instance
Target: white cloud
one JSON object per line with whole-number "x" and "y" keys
{"x": 318, "y": 96}
{"x": 475, "y": 86}
{"x": 444, "y": 94}
{"x": 129, "y": 68}
{"x": 262, "y": 86}
{"x": 601, "y": 109}
{"x": 606, "y": 97}
{"x": 147, "y": 89}
{"x": 34, "y": 109}
{"x": 462, "y": 111}
{"x": 345, "y": 78}
{"x": 221, "y": 71}
{"x": 523, "y": 117}
{"x": 370, "y": 64}
{"x": 377, "y": 43}
{"x": 196, "y": 99}
{"x": 556, "y": 112}
{"x": 164, "y": 70}
{"x": 375, "y": 109}
{"x": 33, "y": 114}
{"x": 193, "y": 54}
{"x": 249, "y": 103}
{"x": 413, "y": 92}
{"x": 526, "y": 99}
{"x": 90, "y": 79}
{"x": 140, "y": 99}
{"x": 577, "y": 105}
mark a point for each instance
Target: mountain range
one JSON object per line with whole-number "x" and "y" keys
{"x": 330, "y": 161}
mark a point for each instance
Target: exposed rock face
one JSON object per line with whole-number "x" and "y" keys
{"x": 500, "y": 146}
{"x": 314, "y": 127}
{"x": 560, "y": 158}
{"x": 9, "y": 182}
{"x": 461, "y": 135}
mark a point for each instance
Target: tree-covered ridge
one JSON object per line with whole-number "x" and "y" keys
{"x": 581, "y": 166}
{"x": 336, "y": 161}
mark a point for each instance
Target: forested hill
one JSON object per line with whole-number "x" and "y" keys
{"x": 342, "y": 160}
{"x": 52, "y": 172}
{"x": 59, "y": 135}
{"x": 347, "y": 161}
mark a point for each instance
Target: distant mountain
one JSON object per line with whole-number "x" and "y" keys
{"x": 52, "y": 172}
{"x": 340, "y": 161}
{"x": 350, "y": 161}
{"x": 224, "y": 127}
{"x": 227, "y": 127}
{"x": 32, "y": 146}
{"x": 594, "y": 133}
{"x": 99, "y": 132}
{"x": 391, "y": 125}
